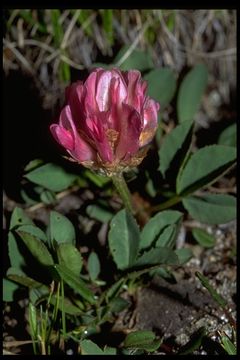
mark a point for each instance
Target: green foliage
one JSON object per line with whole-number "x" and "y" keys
{"x": 203, "y": 238}
{"x": 99, "y": 213}
{"x": 15, "y": 256}
{"x": 194, "y": 343}
{"x": 19, "y": 220}
{"x": 137, "y": 59}
{"x": 37, "y": 248}
{"x": 98, "y": 180}
{"x": 32, "y": 315}
{"x": 228, "y": 136}
{"x": 70, "y": 257}
{"x": 228, "y": 346}
{"x": 171, "y": 20}
{"x": 56, "y": 26}
{"x": 93, "y": 266}
{"x": 58, "y": 33}
{"x": 61, "y": 230}
{"x": 184, "y": 255}
{"x": 168, "y": 236}
{"x": 124, "y": 238}
{"x": 75, "y": 283}
{"x": 160, "y": 255}
{"x": 27, "y": 16}
{"x": 107, "y": 17}
{"x": 38, "y": 294}
{"x": 161, "y": 85}
{"x": 204, "y": 167}
{"x": 150, "y": 188}
{"x": 82, "y": 17}
{"x": 100, "y": 65}
{"x": 190, "y": 92}
{"x": 88, "y": 347}
{"x": 211, "y": 208}
{"x": 217, "y": 297}
{"x": 156, "y": 225}
{"x": 142, "y": 339}
{"x": 176, "y": 140}
{"x": 118, "y": 304}
{"x": 114, "y": 289}
{"x": 48, "y": 197}
{"x": 33, "y": 164}
{"x": 19, "y": 217}
{"x": 165, "y": 274}
{"x": 18, "y": 276}
{"x": 64, "y": 72}
{"x": 9, "y": 288}
{"x": 51, "y": 177}
{"x": 110, "y": 350}
{"x": 33, "y": 230}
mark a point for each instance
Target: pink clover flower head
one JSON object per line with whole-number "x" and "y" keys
{"x": 107, "y": 121}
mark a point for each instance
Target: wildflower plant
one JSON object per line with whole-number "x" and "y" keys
{"x": 107, "y": 126}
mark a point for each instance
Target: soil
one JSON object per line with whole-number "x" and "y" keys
{"x": 176, "y": 311}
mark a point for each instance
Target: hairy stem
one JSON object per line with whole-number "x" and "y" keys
{"x": 122, "y": 188}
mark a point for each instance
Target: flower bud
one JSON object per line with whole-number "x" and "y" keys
{"x": 107, "y": 121}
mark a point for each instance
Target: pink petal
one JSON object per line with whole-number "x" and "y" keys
{"x": 63, "y": 136}
{"x": 136, "y": 90}
{"x": 118, "y": 91}
{"x": 98, "y": 87}
{"x": 91, "y": 81}
{"x": 150, "y": 112}
{"x": 71, "y": 88}
{"x": 98, "y": 135}
{"x": 102, "y": 91}
{"x": 68, "y": 121}
{"x": 91, "y": 104}
{"x": 80, "y": 149}
{"x": 150, "y": 121}
{"x": 130, "y": 123}
{"x": 75, "y": 95}
{"x": 121, "y": 85}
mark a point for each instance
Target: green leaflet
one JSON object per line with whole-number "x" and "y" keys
{"x": 190, "y": 92}
{"x": 211, "y": 208}
{"x": 124, "y": 238}
{"x": 204, "y": 167}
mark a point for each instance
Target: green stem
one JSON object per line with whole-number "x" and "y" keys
{"x": 133, "y": 275}
{"x": 63, "y": 310}
{"x": 167, "y": 204}
{"x": 122, "y": 188}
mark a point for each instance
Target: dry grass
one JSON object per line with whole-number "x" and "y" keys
{"x": 175, "y": 38}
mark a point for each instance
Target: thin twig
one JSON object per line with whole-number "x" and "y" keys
{"x": 20, "y": 33}
{"x": 5, "y": 352}
{"x": 19, "y": 56}
{"x": 223, "y": 190}
{"x": 69, "y": 29}
{"x": 71, "y": 62}
{"x": 13, "y": 15}
{"x": 210, "y": 55}
{"x": 84, "y": 25}
{"x": 39, "y": 44}
{"x": 9, "y": 344}
{"x": 133, "y": 46}
{"x": 58, "y": 197}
